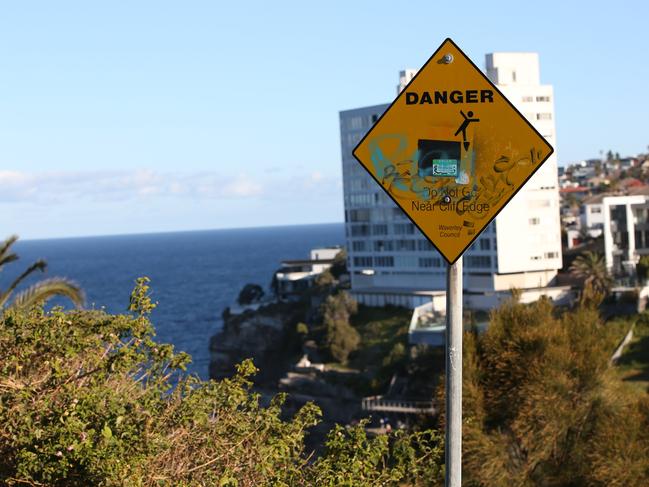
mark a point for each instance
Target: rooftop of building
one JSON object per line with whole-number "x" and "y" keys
{"x": 307, "y": 262}
{"x": 574, "y": 189}
{"x": 632, "y": 191}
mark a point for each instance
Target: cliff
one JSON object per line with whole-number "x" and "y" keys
{"x": 266, "y": 335}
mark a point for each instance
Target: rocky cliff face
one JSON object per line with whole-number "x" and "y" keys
{"x": 266, "y": 335}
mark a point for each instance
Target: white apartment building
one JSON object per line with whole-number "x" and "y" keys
{"x": 624, "y": 221}
{"x": 391, "y": 262}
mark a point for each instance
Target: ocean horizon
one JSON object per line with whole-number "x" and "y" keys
{"x": 194, "y": 274}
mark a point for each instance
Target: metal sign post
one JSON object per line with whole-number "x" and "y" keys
{"x": 454, "y": 332}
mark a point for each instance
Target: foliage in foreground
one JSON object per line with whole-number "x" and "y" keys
{"x": 88, "y": 398}
{"x": 544, "y": 406}
{"x": 38, "y": 293}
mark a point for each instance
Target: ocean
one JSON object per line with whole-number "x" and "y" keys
{"x": 194, "y": 275}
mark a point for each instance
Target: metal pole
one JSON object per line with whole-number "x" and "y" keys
{"x": 454, "y": 331}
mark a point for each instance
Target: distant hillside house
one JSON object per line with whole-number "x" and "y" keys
{"x": 623, "y": 219}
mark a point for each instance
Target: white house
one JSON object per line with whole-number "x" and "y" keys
{"x": 296, "y": 276}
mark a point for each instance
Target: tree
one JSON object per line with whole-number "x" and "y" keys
{"x": 38, "y": 293}
{"x": 642, "y": 268}
{"x": 341, "y": 338}
{"x": 325, "y": 280}
{"x": 250, "y": 293}
{"x": 590, "y": 267}
{"x": 544, "y": 406}
{"x": 339, "y": 266}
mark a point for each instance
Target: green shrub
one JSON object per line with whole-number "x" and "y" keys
{"x": 88, "y": 398}
{"x": 341, "y": 338}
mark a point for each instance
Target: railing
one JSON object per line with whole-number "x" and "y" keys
{"x": 379, "y": 403}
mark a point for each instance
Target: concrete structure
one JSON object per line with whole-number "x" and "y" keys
{"x": 295, "y": 276}
{"x": 624, "y": 222}
{"x": 390, "y": 262}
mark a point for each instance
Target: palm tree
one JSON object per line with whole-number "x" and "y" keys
{"x": 38, "y": 293}
{"x": 591, "y": 268}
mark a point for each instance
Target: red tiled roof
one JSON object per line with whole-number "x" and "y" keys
{"x": 578, "y": 189}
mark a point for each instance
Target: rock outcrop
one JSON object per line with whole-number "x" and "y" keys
{"x": 266, "y": 335}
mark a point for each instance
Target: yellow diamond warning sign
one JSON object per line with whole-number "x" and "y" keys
{"x": 451, "y": 151}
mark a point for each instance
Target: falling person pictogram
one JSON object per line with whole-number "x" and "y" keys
{"x": 467, "y": 120}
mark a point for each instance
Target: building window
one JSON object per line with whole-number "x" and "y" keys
{"x": 406, "y": 261}
{"x": 478, "y": 261}
{"x": 424, "y": 245}
{"x": 361, "y": 200}
{"x": 383, "y": 245}
{"x": 539, "y": 204}
{"x": 595, "y": 210}
{"x": 359, "y": 215}
{"x": 358, "y": 245}
{"x": 485, "y": 244}
{"x": 384, "y": 261}
{"x": 362, "y": 261}
{"x": 552, "y": 255}
{"x": 356, "y": 123}
{"x": 535, "y": 221}
{"x": 404, "y": 228}
{"x": 375, "y": 117}
{"x": 360, "y": 230}
{"x": 542, "y": 98}
{"x": 544, "y": 116}
{"x": 528, "y": 99}
{"x": 430, "y": 262}
{"x": 380, "y": 229}
{"x": 405, "y": 245}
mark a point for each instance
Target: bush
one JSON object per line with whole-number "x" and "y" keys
{"x": 543, "y": 405}
{"x": 88, "y": 398}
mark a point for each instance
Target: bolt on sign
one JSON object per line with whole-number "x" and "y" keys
{"x": 452, "y": 151}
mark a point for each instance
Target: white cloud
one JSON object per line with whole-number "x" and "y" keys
{"x": 58, "y": 186}
{"x": 242, "y": 187}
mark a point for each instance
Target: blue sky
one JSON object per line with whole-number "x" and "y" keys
{"x": 126, "y": 117}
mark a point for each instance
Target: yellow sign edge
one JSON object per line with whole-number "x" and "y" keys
{"x": 430, "y": 59}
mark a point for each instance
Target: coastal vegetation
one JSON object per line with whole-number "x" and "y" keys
{"x": 39, "y": 292}
{"x": 340, "y": 337}
{"x": 544, "y": 405}
{"x": 88, "y": 398}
